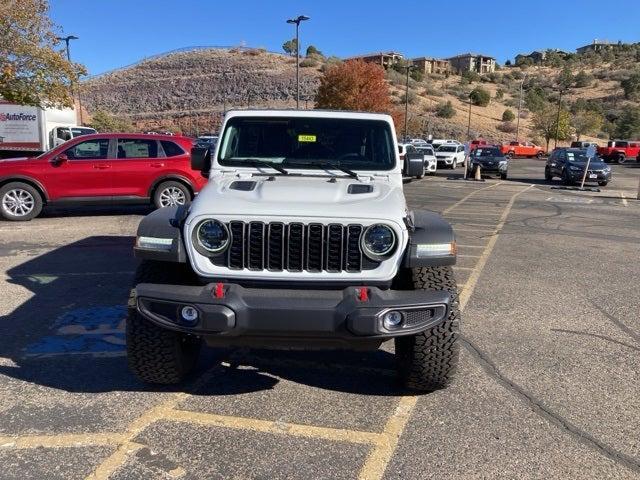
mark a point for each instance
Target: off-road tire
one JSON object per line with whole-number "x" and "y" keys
{"x": 36, "y": 201}
{"x": 155, "y": 354}
{"x": 620, "y": 159}
{"x": 427, "y": 361}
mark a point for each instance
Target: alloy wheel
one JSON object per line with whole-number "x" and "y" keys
{"x": 172, "y": 196}
{"x": 18, "y": 202}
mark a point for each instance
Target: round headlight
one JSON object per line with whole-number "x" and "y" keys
{"x": 213, "y": 236}
{"x": 378, "y": 241}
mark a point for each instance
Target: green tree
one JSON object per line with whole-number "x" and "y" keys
{"x": 104, "y": 122}
{"x": 417, "y": 75}
{"x": 586, "y": 122}
{"x": 535, "y": 99}
{"x": 290, "y": 47}
{"x": 32, "y": 71}
{"x": 628, "y": 125}
{"x": 583, "y": 79}
{"x": 545, "y": 123}
{"x": 480, "y": 97}
{"x": 565, "y": 78}
{"x": 469, "y": 76}
{"x": 445, "y": 110}
{"x": 312, "y": 50}
{"x": 631, "y": 85}
{"x": 508, "y": 116}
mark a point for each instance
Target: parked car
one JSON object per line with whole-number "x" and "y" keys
{"x": 477, "y": 143}
{"x": 450, "y": 154}
{"x": 490, "y": 160}
{"x": 100, "y": 168}
{"x": 522, "y": 149}
{"x": 209, "y": 141}
{"x": 437, "y": 142}
{"x": 430, "y": 160}
{"x": 569, "y": 164}
{"x": 403, "y": 150}
{"x": 270, "y": 260}
{"x": 583, "y": 145}
{"x": 619, "y": 150}
{"x": 418, "y": 141}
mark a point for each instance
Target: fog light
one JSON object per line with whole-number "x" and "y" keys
{"x": 189, "y": 314}
{"x": 392, "y": 319}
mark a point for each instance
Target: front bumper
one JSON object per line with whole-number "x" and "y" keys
{"x": 230, "y": 311}
{"x": 445, "y": 160}
{"x": 489, "y": 169}
{"x": 576, "y": 176}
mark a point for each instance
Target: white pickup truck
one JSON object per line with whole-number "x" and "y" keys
{"x": 302, "y": 238}
{"x": 33, "y": 130}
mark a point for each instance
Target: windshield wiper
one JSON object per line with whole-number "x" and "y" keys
{"x": 254, "y": 162}
{"x": 327, "y": 165}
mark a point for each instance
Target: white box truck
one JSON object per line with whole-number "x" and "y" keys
{"x": 33, "y": 130}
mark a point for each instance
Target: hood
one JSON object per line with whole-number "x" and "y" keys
{"x": 300, "y": 196}
{"x": 445, "y": 154}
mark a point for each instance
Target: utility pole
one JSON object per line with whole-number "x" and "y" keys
{"x": 520, "y": 106}
{"x": 406, "y": 102}
{"x": 66, "y": 40}
{"x": 469, "y": 122}
{"x": 297, "y": 21}
{"x": 555, "y": 144}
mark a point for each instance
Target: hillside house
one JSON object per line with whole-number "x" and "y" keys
{"x": 475, "y": 62}
{"x": 597, "y": 46}
{"x": 432, "y": 65}
{"x": 384, "y": 59}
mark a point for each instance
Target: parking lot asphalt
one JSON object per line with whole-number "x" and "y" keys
{"x": 548, "y": 385}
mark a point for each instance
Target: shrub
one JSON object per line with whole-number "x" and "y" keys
{"x": 499, "y": 94}
{"x": 412, "y": 97}
{"x": 469, "y": 77}
{"x": 309, "y": 62}
{"x": 417, "y": 75}
{"x": 507, "y": 127}
{"x": 445, "y": 110}
{"x": 480, "y": 97}
{"x": 508, "y": 116}
{"x": 583, "y": 79}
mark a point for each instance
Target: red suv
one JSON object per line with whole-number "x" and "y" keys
{"x": 112, "y": 168}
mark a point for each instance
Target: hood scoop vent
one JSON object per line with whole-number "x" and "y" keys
{"x": 356, "y": 188}
{"x": 243, "y": 185}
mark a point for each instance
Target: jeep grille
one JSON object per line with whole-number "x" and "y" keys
{"x": 294, "y": 247}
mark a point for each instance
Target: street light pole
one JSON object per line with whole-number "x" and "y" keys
{"x": 555, "y": 143}
{"x": 66, "y": 41}
{"x": 520, "y": 107}
{"x": 406, "y": 102}
{"x": 297, "y": 20}
{"x": 469, "y": 122}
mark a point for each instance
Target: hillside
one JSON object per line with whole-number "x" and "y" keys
{"x": 187, "y": 91}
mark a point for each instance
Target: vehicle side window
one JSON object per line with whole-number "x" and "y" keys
{"x": 89, "y": 150}
{"x": 171, "y": 149}
{"x": 136, "y": 148}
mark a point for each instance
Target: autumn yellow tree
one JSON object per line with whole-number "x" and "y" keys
{"x": 356, "y": 85}
{"x": 33, "y": 69}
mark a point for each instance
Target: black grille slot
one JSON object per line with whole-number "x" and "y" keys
{"x": 295, "y": 250}
{"x": 315, "y": 247}
{"x": 275, "y": 246}
{"x": 352, "y": 246}
{"x": 255, "y": 246}
{"x": 334, "y": 248}
{"x": 294, "y": 247}
{"x": 236, "y": 249}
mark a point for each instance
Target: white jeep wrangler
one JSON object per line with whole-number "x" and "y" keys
{"x": 301, "y": 239}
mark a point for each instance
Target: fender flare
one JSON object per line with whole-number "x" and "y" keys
{"x": 428, "y": 228}
{"x": 163, "y": 223}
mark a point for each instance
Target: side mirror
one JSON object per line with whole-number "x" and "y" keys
{"x": 60, "y": 159}
{"x": 414, "y": 165}
{"x": 201, "y": 159}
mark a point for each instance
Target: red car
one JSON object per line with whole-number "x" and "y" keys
{"x": 522, "y": 149}
{"x": 111, "y": 168}
{"x": 619, "y": 150}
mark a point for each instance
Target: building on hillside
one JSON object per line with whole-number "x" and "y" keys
{"x": 597, "y": 46}
{"x": 475, "y": 62}
{"x": 432, "y": 65}
{"x": 540, "y": 56}
{"x": 384, "y": 59}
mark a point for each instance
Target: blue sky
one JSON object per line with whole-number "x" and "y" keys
{"x": 114, "y": 33}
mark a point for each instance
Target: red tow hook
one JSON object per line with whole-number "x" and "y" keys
{"x": 363, "y": 294}
{"x": 218, "y": 290}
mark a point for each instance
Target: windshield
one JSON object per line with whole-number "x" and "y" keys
{"x": 446, "y": 148}
{"x": 577, "y": 156}
{"x": 426, "y": 150}
{"x": 76, "y": 132}
{"x": 303, "y": 142}
{"x": 487, "y": 152}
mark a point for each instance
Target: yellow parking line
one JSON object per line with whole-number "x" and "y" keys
{"x": 274, "y": 427}
{"x": 378, "y": 460}
{"x": 61, "y": 440}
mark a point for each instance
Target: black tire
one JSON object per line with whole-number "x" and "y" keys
{"x": 29, "y": 206}
{"x": 427, "y": 361}
{"x": 155, "y": 354}
{"x": 454, "y": 164}
{"x": 547, "y": 175}
{"x": 510, "y": 154}
{"x": 539, "y": 154}
{"x": 620, "y": 159}
{"x": 566, "y": 179}
{"x": 603, "y": 184}
{"x": 171, "y": 193}
{"x": 503, "y": 176}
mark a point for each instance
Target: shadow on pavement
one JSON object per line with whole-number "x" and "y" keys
{"x": 69, "y": 334}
